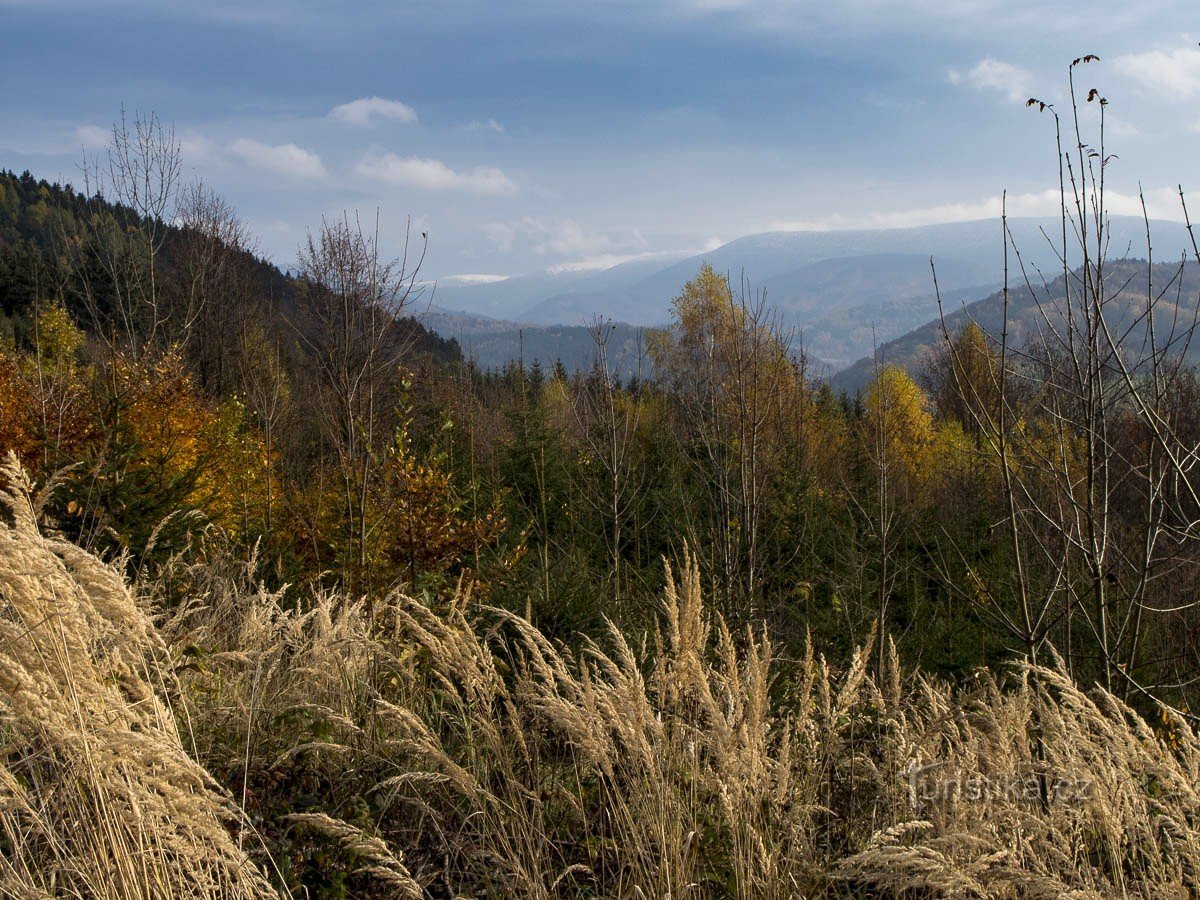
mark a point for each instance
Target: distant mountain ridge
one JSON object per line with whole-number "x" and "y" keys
{"x": 1126, "y": 308}
{"x": 494, "y": 343}
{"x": 846, "y": 292}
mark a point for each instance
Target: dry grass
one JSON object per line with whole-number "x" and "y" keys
{"x": 97, "y": 796}
{"x": 699, "y": 765}
{"x": 455, "y": 751}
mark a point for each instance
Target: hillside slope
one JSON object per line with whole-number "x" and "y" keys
{"x": 39, "y": 220}
{"x": 912, "y": 350}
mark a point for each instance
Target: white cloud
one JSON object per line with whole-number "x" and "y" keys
{"x": 584, "y": 250}
{"x": 469, "y": 278}
{"x": 565, "y": 237}
{"x": 609, "y": 260}
{"x": 365, "y": 109}
{"x": 197, "y": 148}
{"x": 606, "y": 261}
{"x": 581, "y": 249}
{"x": 434, "y": 175}
{"x": 93, "y": 137}
{"x": 560, "y": 237}
{"x": 1161, "y": 203}
{"x": 193, "y": 147}
{"x": 282, "y": 159}
{"x": 1174, "y": 73}
{"x": 994, "y": 75}
{"x": 489, "y": 125}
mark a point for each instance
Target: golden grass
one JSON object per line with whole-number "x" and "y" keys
{"x": 97, "y": 796}
{"x": 454, "y": 750}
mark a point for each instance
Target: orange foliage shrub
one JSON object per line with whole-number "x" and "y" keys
{"x": 130, "y": 422}
{"x": 16, "y": 424}
{"x": 185, "y": 439}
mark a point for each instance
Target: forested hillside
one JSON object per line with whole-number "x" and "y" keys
{"x": 179, "y": 386}
{"x": 42, "y": 224}
{"x": 1170, "y": 288}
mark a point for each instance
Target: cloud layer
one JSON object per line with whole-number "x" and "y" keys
{"x": 1161, "y": 203}
{"x": 994, "y": 75}
{"x": 366, "y": 110}
{"x": 473, "y": 279}
{"x": 1173, "y": 73}
{"x": 434, "y": 175}
{"x": 281, "y": 159}
{"x": 93, "y": 137}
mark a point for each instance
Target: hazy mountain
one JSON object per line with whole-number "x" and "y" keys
{"x": 492, "y": 343}
{"x": 847, "y": 291}
{"x": 514, "y": 298}
{"x": 912, "y": 350}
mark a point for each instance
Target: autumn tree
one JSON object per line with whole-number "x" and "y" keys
{"x": 430, "y": 534}
{"x": 963, "y": 379}
{"x": 351, "y": 301}
{"x": 725, "y": 358}
{"x": 897, "y": 434}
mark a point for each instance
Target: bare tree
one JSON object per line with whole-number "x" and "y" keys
{"x": 214, "y": 295}
{"x": 117, "y": 256}
{"x": 352, "y": 302}
{"x": 1102, "y": 499}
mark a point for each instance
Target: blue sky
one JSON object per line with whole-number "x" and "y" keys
{"x": 526, "y": 135}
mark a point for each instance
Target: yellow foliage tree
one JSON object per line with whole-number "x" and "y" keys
{"x": 16, "y": 423}
{"x": 727, "y": 360}
{"x": 181, "y": 438}
{"x": 141, "y": 439}
{"x": 46, "y": 409}
{"x": 898, "y": 429}
{"x": 429, "y": 535}
{"x": 964, "y": 379}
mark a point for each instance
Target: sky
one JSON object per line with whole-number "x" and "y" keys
{"x": 526, "y": 135}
